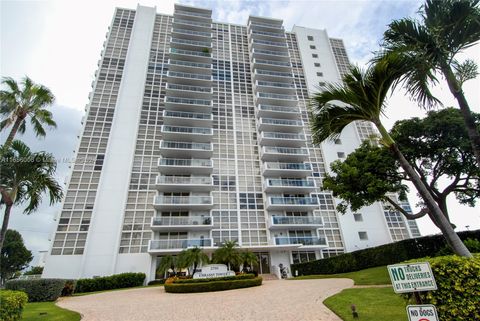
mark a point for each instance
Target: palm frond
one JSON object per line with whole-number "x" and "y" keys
{"x": 37, "y": 127}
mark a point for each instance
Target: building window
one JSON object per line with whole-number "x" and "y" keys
{"x": 313, "y": 47}
{"x": 357, "y": 217}
{"x": 338, "y": 141}
{"x": 300, "y": 257}
{"x": 363, "y": 236}
{"x": 314, "y": 55}
{"x": 341, "y": 155}
{"x": 321, "y": 84}
{"x": 310, "y": 38}
{"x": 317, "y": 64}
{"x": 320, "y": 74}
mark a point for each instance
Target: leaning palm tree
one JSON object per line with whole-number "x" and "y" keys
{"x": 248, "y": 259}
{"x": 446, "y": 28}
{"x": 167, "y": 262}
{"x": 19, "y": 102}
{"x": 192, "y": 257}
{"x": 364, "y": 95}
{"x": 228, "y": 254}
{"x": 24, "y": 177}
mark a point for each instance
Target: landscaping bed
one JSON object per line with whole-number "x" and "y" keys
{"x": 214, "y": 284}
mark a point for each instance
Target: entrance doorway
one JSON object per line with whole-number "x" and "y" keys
{"x": 263, "y": 265}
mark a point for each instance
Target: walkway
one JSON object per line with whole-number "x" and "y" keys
{"x": 274, "y": 300}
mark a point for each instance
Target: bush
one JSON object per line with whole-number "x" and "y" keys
{"x": 225, "y": 278}
{"x": 38, "y": 290}
{"x": 381, "y": 255}
{"x": 458, "y": 281}
{"x": 472, "y": 245}
{"x": 212, "y": 285}
{"x": 155, "y": 282}
{"x": 12, "y": 304}
{"x": 69, "y": 287}
{"x": 117, "y": 281}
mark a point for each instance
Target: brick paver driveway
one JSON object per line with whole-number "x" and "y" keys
{"x": 274, "y": 300}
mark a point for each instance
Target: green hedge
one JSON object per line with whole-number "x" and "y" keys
{"x": 38, "y": 290}
{"x": 212, "y": 285}
{"x": 116, "y": 281}
{"x": 458, "y": 295}
{"x": 378, "y": 256}
{"x": 225, "y": 278}
{"x": 157, "y": 281}
{"x": 12, "y": 304}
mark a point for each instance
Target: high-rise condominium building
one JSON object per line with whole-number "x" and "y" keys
{"x": 197, "y": 133}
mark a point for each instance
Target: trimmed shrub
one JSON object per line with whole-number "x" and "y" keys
{"x": 155, "y": 282}
{"x": 38, "y": 290}
{"x": 380, "y": 255}
{"x": 116, "y": 281}
{"x": 225, "y": 278}
{"x": 458, "y": 281}
{"x": 212, "y": 285}
{"x": 12, "y": 304}
{"x": 69, "y": 287}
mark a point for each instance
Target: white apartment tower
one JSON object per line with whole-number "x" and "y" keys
{"x": 196, "y": 133}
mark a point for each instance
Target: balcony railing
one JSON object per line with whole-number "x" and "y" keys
{"x": 196, "y": 180}
{"x": 270, "y": 43}
{"x": 181, "y": 220}
{"x": 270, "y": 52}
{"x": 288, "y": 166}
{"x": 280, "y": 109}
{"x": 192, "y": 32}
{"x": 193, "y": 14}
{"x": 186, "y": 145}
{"x": 199, "y": 89}
{"x": 281, "y": 122}
{"x": 183, "y": 200}
{"x": 190, "y": 52}
{"x": 186, "y": 114}
{"x": 192, "y": 42}
{"x": 273, "y": 73}
{"x": 178, "y": 244}
{"x": 290, "y": 182}
{"x": 280, "y": 200}
{"x": 275, "y": 84}
{"x": 272, "y": 62}
{"x": 266, "y": 25}
{"x": 296, "y": 220}
{"x": 285, "y": 150}
{"x": 187, "y": 130}
{"x": 185, "y": 162}
{"x": 286, "y": 136}
{"x": 306, "y": 240}
{"x": 192, "y": 23}
{"x": 276, "y": 96}
{"x": 188, "y": 75}
{"x": 190, "y": 64}
{"x": 269, "y": 34}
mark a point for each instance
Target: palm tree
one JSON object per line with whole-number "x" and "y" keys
{"x": 228, "y": 254}
{"x": 446, "y": 28}
{"x": 248, "y": 259}
{"x": 194, "y": 256}
{"x": 19, "y": 102}
{"x": 167, "y": 262}
{"x": 364, "y": 95}
{"x": 24, "y": 177}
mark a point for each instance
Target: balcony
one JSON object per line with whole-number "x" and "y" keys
{"x": 187, "y": 104}
{"x": 193, "y": 134}
{"x": 166, "y": 246}
{"x": 191, "y": 55}
{"x": 190, "y": 66}
{"x": 162, "y": 202}
{"x": 191, "y": 34}
{"x": 286, "y": 169}
{"x": 274, "y": 26}
{"x": 197, "y": 92}
{"x": 183, "y": 183}
{"x": 280, "y": 125}
{"x": 276, "y": 87}
{"x": 276, "y": 99}
{"x": 272, "y": 64}
{"x": 185, "y": 166}
{"x": 188, "y": 44}
{"x": 187, "y": 78}
{"x": 265, "y": 54}
{"x": 286, "y": 154}
{"x": 191, "y": 24}
{"x": 282, "y": 203}
{"x": 294, "y": 185}
{"x": 269, "y": 45}
{"x": 184, "y": 118}
{"x": 181, "y": 223}
{"x": 203, "y": 17}
{"x": 305, "y": 241}
{"x": 281, "y": 139}
{"x": 273, "y": 111}
{"x": 295, "y": 222}
{"x": 257, "y": 34}
{"x": 185, "y": 149}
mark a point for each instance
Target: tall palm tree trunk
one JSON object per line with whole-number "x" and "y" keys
{"x": 457, "y": 92}
{"x": 12, "y": 134}
{"x": 436, "y": 213}
{"x": 6, "y": 218}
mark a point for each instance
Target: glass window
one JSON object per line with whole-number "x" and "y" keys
{"x": 363, "y": 236}
{"x": 358, "y": 217}
{"x": 314, "y": 55}
{"x": 310, "y": 38}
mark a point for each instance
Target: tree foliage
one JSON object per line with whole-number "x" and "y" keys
{"x": 35, "y": 270}
{"x": 228, "y": 254}
{"x": 14, "y": 255}
{"x": 192, "y": 258}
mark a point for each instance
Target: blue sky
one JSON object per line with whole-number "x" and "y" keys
{"x": 58, "y": 44}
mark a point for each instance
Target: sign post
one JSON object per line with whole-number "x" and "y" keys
{"x": 414, "y": 277}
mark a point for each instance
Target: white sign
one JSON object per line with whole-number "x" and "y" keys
{"x": 425, "y": 312}
{"x": 412, "y": 277}
{"x": 213, "y": 271}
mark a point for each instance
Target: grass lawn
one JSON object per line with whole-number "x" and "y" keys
{"x": 373, "y": 304}
{"x": 39, "y": 311}
{"x": 372, "y": 276}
